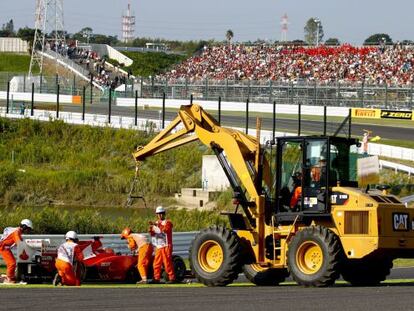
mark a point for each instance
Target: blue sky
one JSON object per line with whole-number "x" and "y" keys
{"x": 349, "y": 20}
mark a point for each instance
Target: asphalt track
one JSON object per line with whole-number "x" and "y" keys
{"x": 249, "y": 298}
{"x": 307, "y": 126}
{"x": 389, "y": 296}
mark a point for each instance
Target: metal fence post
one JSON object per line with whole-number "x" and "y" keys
{"x": 219, "y": 110}
{"x": 248, "y": 90}
{"x": 324, "y": 120}
{"x": 315, "y": 95}
{"x": 8, "y": 97}
{"x": 163, "y": 110}
{"x": 32, "y": 104}
{"x": 350, "y": 123}
{"x": 91, "y": 100}
{"x": 57, "y": 100}
{"x": 247, "y": 116}
{"x": 274, "y": 121}
{"x": 110, "y": 105}
{"x": 386, "y": 96}
{"x": 270, "y": 91}
{"x": 136, "y": 108}
{"x": 142, "y": 86}
{"x": 362, "y": 93}
{"x": 83, "y": 102}
{"x": 338, "y": 92}
{"x": 186, "y": 87}
{"x": 191, "y": 99}
{"x": 226, "y": 93}
{"x": 74, "y": 85}
{"x": 299, "y": 118}
{"x": 411, "y": 97}
{"x": 24, "y": 83}
{"x": 206, "y": 88}
{"x": 41, "y": 83}
{"x": 56, "y": 81}
{"x": 152, "y": 86}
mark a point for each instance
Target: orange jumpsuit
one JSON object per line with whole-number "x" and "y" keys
{"x": 161, "y": 234}
{"x": 145, "y": 250}
{"x": 297, "y": 193}
{"x": 11, "y": 236}
{"x": 68, "y": 252}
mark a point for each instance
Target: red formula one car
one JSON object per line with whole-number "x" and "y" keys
{"x": 99, "y": 264}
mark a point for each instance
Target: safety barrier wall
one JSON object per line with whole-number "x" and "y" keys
{"x": 181, "y": 242}
{"x": 237, "y": 106}
{"x": 44, "y": 98}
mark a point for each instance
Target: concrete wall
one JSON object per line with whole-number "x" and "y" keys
{"x": 15, "y": 45}
{"x": 104, "y": 49}
{"x": 213, "y": 177}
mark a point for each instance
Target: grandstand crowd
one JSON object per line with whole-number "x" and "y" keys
{"x": 391, "y": 65}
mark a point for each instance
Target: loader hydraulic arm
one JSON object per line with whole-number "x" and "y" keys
{"x": 193, "y": 123}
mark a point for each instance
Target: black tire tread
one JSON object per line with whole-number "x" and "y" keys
{"x": 334, "y": 255}
{"x": 270, "y": 277}
{"x": 232, "y": 267}
{"x": 366, "y": 271}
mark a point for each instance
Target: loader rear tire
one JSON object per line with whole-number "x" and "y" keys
{"x": 314, "y": 257}
{"x": 215, "y": 256}
{"x": 264, "y": 276}
{"x": 366, "y": 271}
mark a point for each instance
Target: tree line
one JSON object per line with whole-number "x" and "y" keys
{"x": 313, "y": 35}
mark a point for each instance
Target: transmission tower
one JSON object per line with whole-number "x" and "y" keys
{"x": 284, "y": 23}
{"x": 128, "y": 25}
{"x": 49, "y": 31}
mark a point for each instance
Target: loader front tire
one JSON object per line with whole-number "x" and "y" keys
{"x": 215, "y": 256}
{"x": 314, "y": 257}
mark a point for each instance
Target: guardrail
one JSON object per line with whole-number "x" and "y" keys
{"x": 181, "y": 242}
{"x": 397, "y": 167}
{"x": 408, "y": 199}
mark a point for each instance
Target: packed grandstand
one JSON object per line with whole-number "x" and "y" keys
{"x": 382, "y": 65}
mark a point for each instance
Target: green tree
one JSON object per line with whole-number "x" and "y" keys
{"x": 84, "y": 34}
{"x": 333, "y": 41}
{"x": 377, "y": 39}
{"x": 7, "y": 30}
{"x": 26, "y": 34}
{"x": 229, "y": 35}
{"x": 313, "y": 31}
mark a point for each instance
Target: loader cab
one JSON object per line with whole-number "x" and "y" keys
{"x": 306, "y": 170}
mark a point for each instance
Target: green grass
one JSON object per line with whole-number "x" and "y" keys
{"x": 57, "y": 163}
{"x": 16, "y": 63}
{"x": 151, "y": 64}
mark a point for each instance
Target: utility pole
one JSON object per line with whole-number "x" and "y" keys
{"x": 49, "y": 32}
{"x": 318, "y": 22}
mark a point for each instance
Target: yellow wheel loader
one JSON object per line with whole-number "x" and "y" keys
{"x": 299, "y": 209}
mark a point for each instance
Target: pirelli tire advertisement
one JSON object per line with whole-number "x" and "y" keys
{"x": 382, "y": 114}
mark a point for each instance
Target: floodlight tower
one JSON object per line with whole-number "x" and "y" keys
{"x": 128, "y": 25}
{"x": 284, "y": 23}
{"x": 49, "y": 31}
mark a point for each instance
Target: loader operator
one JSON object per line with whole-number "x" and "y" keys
{"x": 11, "y": 237}
{"x": 139, "y": 243}
{"x": 161, "y": 233}
{"x": 68, "y": 255}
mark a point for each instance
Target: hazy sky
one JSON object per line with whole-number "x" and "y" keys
{"x": 349, "y": 20}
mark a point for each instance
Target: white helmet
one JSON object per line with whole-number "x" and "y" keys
{"x": 72, "y": 235}
{"x": 27, "y": 222}
{"x": 159, "y": 210}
